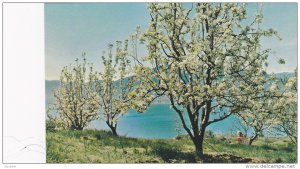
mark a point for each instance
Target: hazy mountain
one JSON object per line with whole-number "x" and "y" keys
{"x": 284, "y": 75}
{"x": 51, "y": 85}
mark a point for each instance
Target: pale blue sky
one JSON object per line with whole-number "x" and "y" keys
{"x": 71, "y": 29}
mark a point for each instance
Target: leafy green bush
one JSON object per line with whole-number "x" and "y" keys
{"x": 50, "y": 125}
{"x": 210, "y": 134}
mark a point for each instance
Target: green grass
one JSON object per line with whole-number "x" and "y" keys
{"x": 93, "y": 146}
{"x": 270, "y": 150}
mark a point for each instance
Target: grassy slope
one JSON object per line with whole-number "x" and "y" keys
{"x": 91, "y": 146}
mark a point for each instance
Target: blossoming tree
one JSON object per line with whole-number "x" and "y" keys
{"x": 287, "y": 120}
{"x": 76, "y": 101}
{"x": 114, "y": 94}
{"x": 205, "y": 60}
{"x": 262, "y": 117}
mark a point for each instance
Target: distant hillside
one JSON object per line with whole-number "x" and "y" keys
{"x": 284, "y": 75}
{"x": 51, "y": 85}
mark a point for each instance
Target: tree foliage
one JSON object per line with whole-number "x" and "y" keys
{"x": 263, "y": 116}
{"x": 76, "y": 100}
{"x": 287, "y": 119}
{"x": 114, "y": 94}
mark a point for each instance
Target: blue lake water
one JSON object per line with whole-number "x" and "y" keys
{"x": 159, "y": 121}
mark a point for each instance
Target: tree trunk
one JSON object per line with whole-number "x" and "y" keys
{"x": 196, "y": 134}
{"x": 252, "y": 139}
{"x": 113, "y": 128}
{"x": 199, "y": 134}
{"x": 198, "y": 142}
{"x": 114, "y": 131}
{"x": 76, "y": 127}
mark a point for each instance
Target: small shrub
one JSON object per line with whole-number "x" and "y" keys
{"x": 209, "y": 134}
{"x": 278, "y": 160}
{"x": 289, "y": 147}
{"x": 50, "y": 125}
{"x": 98, "y": 136}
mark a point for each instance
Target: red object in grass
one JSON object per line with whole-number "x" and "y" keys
{"x": 239, "y": 139}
